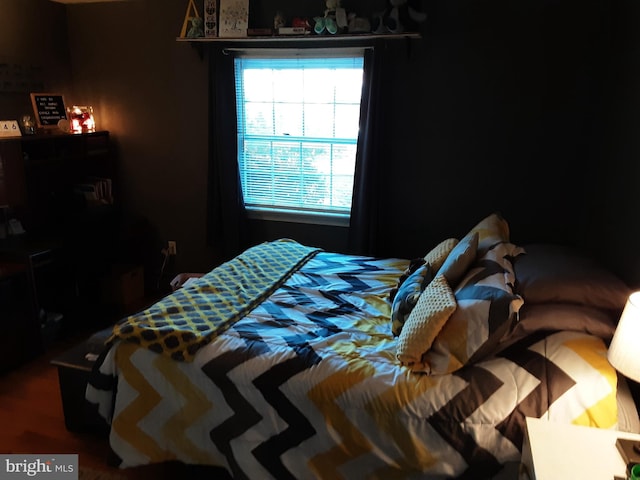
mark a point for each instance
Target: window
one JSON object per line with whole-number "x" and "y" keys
{"x": 298, "y": 120}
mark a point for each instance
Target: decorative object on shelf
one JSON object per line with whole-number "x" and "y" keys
{"x": 334, "y": 20}
{"x": 399, "y": 16}
{"x": 234, "y": 18}
{"x": 27, "y": 124}
{"x": 64, "y": 126}
{"x": 623, "y": 356}
{"x": 210, "y": 18}
{"x": 192, "y": 26}
{"x": 197, "y": 28}
{"x": 299, "y": 26}
{"x": 358, "y": 24}
{"x": 279, "y": 21}
{"x": 81, "y": 119}
{"x": 9, "y": 128}
{"x": 48, "y": 108}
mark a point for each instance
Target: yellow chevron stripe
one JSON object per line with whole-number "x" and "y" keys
{"x": 604, "y": 413}
{"x": 353, "y": 444}
{"x": 126, "y": 423}
{"x": 196, "y": 405}
{"x": 416, "y": 458}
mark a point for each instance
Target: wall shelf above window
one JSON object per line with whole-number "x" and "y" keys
{"x": 304, "y": 40}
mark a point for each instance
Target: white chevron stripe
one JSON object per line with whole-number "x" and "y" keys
{"x": 518, "y": 383}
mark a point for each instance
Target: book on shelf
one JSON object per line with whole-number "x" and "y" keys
{"x": 210, "y": 18}
{"x": 96, "y": 191}
{"x": 293, "y": 31}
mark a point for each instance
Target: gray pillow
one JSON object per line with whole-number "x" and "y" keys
{"x": 460, "y": 259}
{"x": 550, "y": 273}
{"x": 563, "y": 316}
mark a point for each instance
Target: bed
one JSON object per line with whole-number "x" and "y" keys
{"x": 293, "y": 362}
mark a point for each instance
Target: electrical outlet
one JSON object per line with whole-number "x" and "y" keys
{"x": 171, "y": 247}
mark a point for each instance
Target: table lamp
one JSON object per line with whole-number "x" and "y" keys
{"x": 624, "y": 356}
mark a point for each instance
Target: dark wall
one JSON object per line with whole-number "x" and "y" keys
{"x": 525, "y": 107}
{"x": 34, "y": 53}
{"x": 498, "y": 109}
{"x": 614, "y": 229}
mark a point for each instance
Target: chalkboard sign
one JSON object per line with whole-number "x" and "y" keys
{"x": 49, "y": 109}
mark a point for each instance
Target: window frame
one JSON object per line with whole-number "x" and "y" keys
{"x": 297, "y": 214}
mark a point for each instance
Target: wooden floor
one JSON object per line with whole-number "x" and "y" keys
{"x": 31, "y": 420}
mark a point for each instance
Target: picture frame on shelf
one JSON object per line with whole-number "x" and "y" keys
{"x": 49, "y": 109}
{"x": 234, "y": 18}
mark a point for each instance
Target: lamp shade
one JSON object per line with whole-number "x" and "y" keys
{"x": 624, "y": 351}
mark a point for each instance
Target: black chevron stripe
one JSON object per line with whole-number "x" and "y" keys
{"x": 99, "y": 380}
{"x": 322, "y": 319}
{"x": 355, "y": 283}
{"x": 244, "y": 415}
{"x": 279, "y": 318}
{"x": 489, "y": 267}
{"x": 449, "y": 420}
{"x": 298, "y": 427}
{"x": 297, "y": 297}
{"x": 363, "y": 265}
{"x": 313, "y": 280}
{"x": 268, "y": 383}
{"x": 553, "y": 383}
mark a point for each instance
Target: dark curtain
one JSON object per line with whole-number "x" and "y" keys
{"x": 368, "y": 177}
{"x": 227, "y": 220}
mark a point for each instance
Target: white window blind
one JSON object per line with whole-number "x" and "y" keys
{"x": 298, "y": 122}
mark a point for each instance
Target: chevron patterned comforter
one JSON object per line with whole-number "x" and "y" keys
{"x": 307, "y": 385}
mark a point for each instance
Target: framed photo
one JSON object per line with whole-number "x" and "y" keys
{"x": 234, "y": 18}
{"x": 49, "y": 109}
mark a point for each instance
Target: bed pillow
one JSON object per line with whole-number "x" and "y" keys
{"x": 413, "y": 266}
{"x": 460, "y": 259}
{"x": 559, "y": 274}
{"x": 486, "y": 310}
{"x": 491, "y": 230}
{"x": 562, "y": 316}
{"x": 434, "y": 307}
{"x": 437, "y": 256}
{"x": 407, "y": 297}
